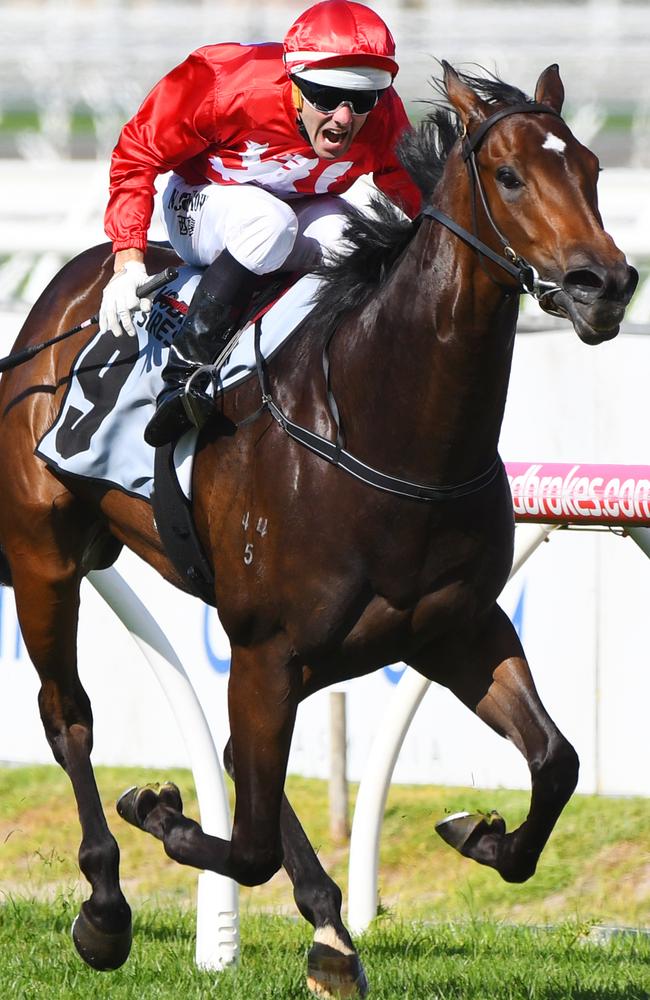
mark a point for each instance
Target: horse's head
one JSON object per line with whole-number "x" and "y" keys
{"x": 535, "y": 187}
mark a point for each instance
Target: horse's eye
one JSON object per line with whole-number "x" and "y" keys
{"x": 508, "y": 178}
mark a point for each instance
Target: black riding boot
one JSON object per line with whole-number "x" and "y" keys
{"x": 206, "y": 330}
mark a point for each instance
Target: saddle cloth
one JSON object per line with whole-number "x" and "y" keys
{"x": 114, "y": 383}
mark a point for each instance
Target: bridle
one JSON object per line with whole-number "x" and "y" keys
{"x": 526, "y": 276}
{"x": 528, "y": 280}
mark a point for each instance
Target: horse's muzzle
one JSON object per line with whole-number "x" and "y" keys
{"x": 595, "y": 283}
{"x": 594, "y": 298}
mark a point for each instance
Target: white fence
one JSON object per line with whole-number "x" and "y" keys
{"x": 580, "y": 605}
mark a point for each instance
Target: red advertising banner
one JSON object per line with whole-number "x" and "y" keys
{"x": 562, "y": 493}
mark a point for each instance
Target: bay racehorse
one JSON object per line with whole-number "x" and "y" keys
{"x": 393, "y": 546}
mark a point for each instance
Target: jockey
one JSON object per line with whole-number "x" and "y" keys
{"x": 261, "y": 141}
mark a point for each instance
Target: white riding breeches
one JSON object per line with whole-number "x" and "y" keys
{"x": 259, "y": 230}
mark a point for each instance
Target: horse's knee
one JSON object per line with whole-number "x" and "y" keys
{"x": 67, "y": 722}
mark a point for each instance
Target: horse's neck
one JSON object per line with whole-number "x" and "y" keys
{"x": 438, "y": 348}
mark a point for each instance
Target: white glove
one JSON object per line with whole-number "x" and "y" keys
{"x": 120, "y": 299}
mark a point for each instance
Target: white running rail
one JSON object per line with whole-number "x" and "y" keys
{"x": 217, "y": 914}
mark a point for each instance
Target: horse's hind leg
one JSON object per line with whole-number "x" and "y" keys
{"x": 46, "y": 586}
{"x": 333, "y": 965}
{"x": 492, "y": 677}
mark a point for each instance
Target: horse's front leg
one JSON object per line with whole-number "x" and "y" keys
{"x": 263, "y": 695}
{"x": 47, "y": 601}
{"x": 491, "y": 676}
{"x": 333, "y": 965}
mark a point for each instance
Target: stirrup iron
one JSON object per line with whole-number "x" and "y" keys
{"x": 198, "y": 405}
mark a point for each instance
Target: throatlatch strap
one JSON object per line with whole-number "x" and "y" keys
{"x": 521, "y": 272}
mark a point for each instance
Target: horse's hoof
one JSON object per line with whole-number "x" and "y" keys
{"x": 459, "y": 829}
{"x": 135, "y": 804}
{"x": 333, "y": 975}
{"x": 169, "y": 795}
{"x": 98, "y": 949}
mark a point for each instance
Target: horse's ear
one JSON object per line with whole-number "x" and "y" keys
{"x": 550, "y": 89}
{"x": 467, "y": 103}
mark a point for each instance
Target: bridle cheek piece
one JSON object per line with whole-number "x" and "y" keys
{"x": 526, "y": 276}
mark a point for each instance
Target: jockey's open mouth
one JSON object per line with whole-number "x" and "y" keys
{"x": 337, "y": 139}
{"x": 331, "y": 135}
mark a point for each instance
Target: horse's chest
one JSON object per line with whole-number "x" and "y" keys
{"x": 434, "y": 597}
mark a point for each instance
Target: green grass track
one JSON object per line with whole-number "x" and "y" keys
{"x": 448, "y": 928}
{"x": 466, "y": 961}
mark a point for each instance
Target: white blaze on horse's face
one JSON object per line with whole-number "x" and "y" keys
{"x": 554, "y": 142}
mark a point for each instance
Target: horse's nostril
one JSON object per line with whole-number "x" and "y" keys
{"x": 613, "y": 284}
{"x": 632, "y": 282}
{"x": 583, "y": 279}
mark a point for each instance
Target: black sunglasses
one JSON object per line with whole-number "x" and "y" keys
{"x": 328, "y": 99}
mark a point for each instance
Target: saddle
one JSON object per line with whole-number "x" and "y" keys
{"x": 98, "y": 434}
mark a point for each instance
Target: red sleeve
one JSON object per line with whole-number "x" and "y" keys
{"x": 391, "y": 177}
{"x": 176, "y": 121}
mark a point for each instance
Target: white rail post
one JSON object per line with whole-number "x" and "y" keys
{"x": 371, "y": 799}
{"x": 375, "y": 782}
{"x": 217, "y": 909}
{"x": 338, "y": 780}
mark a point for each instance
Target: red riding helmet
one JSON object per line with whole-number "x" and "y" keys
{"x": 340, "y": 33}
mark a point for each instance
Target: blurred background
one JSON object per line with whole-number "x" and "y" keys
{"x": 73, "y": 71}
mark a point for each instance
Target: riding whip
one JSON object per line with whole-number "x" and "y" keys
{"x": 142, "y": 291}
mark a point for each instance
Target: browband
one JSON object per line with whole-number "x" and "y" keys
{"x": 473, "y": 141}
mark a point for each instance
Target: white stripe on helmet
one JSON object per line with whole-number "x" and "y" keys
{"x": 346, "y": 77}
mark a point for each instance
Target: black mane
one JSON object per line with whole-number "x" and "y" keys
{"x": 372, "y": 243}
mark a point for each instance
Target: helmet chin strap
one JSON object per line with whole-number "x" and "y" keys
{"x": 299, "y": 103}
{"x": 296, "y": 95}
